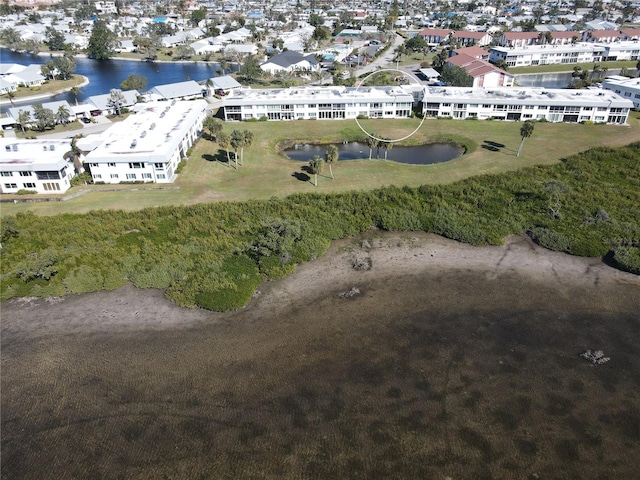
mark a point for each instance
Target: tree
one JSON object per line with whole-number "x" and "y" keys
{"x": 251, "y": 70}
{"x": 387, "y": 145}
{"x": 198, "y": 15}
{"x": 455, "y": 76}
{"x": 54, "y": 39}
{"x": 315, "y": 20}
{"x": 75, "y": 91}
{"x": 372, "y": 143}
{"x": 224, "y": 140}
{"x": 184, "y": 52}
{"x": 45, "y": 117}
{"x": 237, "y": 140}
{"x": 102, "y": 42}
{"x": 213, "y": 126}
{"x": 525, "y": 132}
{"x": 62, "y": 115}
{"x": 247, "y": 141}
{"x": 134, "y": 82}
{"x": 24, "y": 118}
{"x": 416, "y": 44}
{"x": 65, "y": 66}
{"x": 116, "y": 100}
{"x": 331, "y": 156}
{"x": 315, "y": 167}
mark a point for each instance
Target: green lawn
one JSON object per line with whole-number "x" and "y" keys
{"x": 48, "y": 88}
{"x": 266, "y": 173}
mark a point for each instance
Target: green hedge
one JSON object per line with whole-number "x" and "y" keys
{"x": 215, "y": 255}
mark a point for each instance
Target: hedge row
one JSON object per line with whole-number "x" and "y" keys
{"x": 215, "y": 255}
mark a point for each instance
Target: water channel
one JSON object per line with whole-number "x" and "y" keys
{"x": 416, "y": 155}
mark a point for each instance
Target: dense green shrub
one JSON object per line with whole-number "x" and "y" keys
{"x": 215, "y": 255}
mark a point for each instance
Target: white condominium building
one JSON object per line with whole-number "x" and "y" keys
{"x": 565, "y": 54}
{"x": 625, "y": 87}
{"x": 515, "y": 103}
{"x": 322, "y": 103}
{"x": 35, "y": 165}
{"x": 147, "y": 146}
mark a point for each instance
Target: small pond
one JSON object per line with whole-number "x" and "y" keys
{"x": 418, "y": 155}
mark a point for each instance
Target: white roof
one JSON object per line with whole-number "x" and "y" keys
{"x": 33, "y": 155}
{"x": 151, "y": 135}
{"x": 177, "y": 90}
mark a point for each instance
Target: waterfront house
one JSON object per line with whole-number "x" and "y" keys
{"x": 625, "y": 87}
{"x": 484, "y": 74}
{"x": 177, "y": 91}
{"x": 100, "y": 104}
{"x": 289, "y": 61}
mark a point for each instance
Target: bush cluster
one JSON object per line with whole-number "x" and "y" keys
{"x": 215, "y": 255}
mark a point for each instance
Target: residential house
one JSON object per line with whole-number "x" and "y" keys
{"x": 289, "y": 61}
{"x": 518, "y": 39}
{"x": 602, "y": 36}
{"x": 484, "y": 74}
{"x": 177, "y": 91}
{"x": 475, "y": 52}
{"x": 435, "y": 36}
{"x": 466, "y": 39}
{"x": 101, "y": 104}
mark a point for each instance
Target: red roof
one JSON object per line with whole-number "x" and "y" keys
{"x": 520, "y": 35}
{"x": 473, "y": 66}
{"x": 605, "y": 33}
{"x": 474, "y": 51}
{"x": 631, "y": 32}
{"x": 465, "y": 34}
{"x": 565, "y": 34}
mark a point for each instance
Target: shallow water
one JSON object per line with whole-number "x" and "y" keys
{"x": 425, "y": 376}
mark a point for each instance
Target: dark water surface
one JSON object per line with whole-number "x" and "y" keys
{"x": 451, "y": 374}
{"x": 105, "y": 75}
{"x": 416, "y": 155}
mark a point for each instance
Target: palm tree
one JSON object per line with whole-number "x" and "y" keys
{"x": 213, "y": 126}
{"x": 247, "y": 140}
{"x": 62, "y": 115}
{"x": 387, "y": 146}
{"x": 224, "y": 140}
{"x": 24, "y": 117}
{"x": 525, "y": 132}
{"x": 372, "y": 143}
{"x": 75, "y": 91}
{"x": 11, "y": 94}
{"x": 315, "y": 167}
{"x": 331, "y": 156}
{"x": 237, "y": 139}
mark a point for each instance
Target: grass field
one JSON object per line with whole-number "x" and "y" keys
{"x": 266, "y": 173}
{"x": 48, "y": 88}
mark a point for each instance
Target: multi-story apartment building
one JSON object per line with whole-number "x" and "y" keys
{"x": 552, "y": 105}
{"x": 625, "y": 87}
{"x": 322, "y": 103}
{"x": 39, "y": 166}
{"x": 147, "y": 146}
{"x": 565, "y": 54}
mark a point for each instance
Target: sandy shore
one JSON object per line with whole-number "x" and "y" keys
{"x": 391, "y": 255}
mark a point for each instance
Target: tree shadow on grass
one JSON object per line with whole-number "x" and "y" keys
{"x": 220, "y": 157}
{"x": 492, "y": 146}
{"x": 303, "y": 177}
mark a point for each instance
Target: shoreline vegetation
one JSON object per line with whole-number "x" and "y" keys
{"x": 215, "y": 256}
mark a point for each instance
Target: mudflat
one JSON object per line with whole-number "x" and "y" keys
{"x": 441, "y": 360}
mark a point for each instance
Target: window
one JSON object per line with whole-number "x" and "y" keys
{"x": 111, "y": 164}
{"x": 93, "y": 164}
{"x": 29, "y": 185}
{"x": 161, "y": 176}
{"x": 114, "y": 175}
{"x": 136, "y": 165}
{"x": 97, "y": 176}
{"x": 51, "y": 186}
{"x": 48, "y": 175}
{"x": 159, "y": 166}
{"x": 7, "y": 148}
{"x": 25, "y": 174}
{"x": 146, "y": 176}
{"x": 7, "y": 174}
{"x": 10, "y": 185}
{"x": 131, "y": 176}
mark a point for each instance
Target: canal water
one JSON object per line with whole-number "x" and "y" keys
{"x": 416, "y": 155}
{"x": 108, "y": 74}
